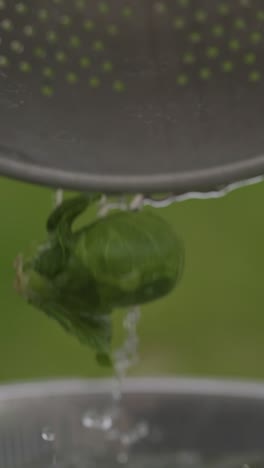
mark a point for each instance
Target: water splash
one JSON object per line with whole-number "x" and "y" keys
{"x": 49, "y": 436}
{"x": 92, "y": 420}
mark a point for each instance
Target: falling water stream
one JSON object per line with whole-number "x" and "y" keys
{"x": 110, "y": 421}
{"x": 124, "y": 358}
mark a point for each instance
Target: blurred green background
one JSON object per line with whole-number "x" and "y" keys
{"x": 212, "y": 325}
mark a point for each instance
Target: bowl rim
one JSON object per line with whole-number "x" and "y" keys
{"x": 158, "y": 385}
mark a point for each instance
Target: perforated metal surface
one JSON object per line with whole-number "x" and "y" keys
{"x": 122, "y": 95}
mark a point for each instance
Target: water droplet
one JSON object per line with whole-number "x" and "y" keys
{"x": 92, "y": 420}
{"x": 140, "y": 431}
{"x": 48, "y": 435}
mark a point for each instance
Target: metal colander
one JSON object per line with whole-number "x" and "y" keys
{"x": 132, "y": 94}
{"x": 202, "y": 421}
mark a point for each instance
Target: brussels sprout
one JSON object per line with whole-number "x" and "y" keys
{"x": 79, "y": 276}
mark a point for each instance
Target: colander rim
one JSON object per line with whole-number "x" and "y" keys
{"x": 201, "y": 180}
